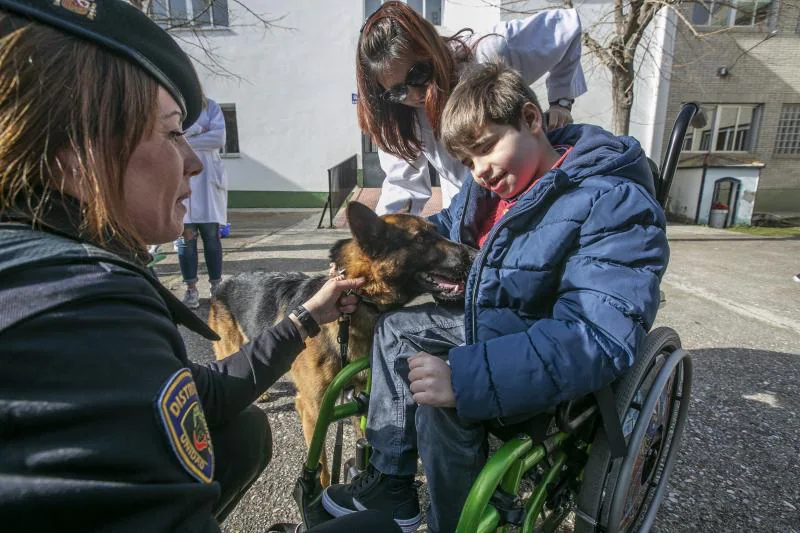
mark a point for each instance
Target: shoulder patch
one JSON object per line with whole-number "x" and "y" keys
{"x": 185, "y": 424}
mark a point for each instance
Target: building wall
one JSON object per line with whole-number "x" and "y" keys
{"x": 293, "y": 86}
{"x": 769, "y": 74}
{"x": 653, "y": 60}
{"x": 683, "y": 194}
{"x": 685, "y": 191}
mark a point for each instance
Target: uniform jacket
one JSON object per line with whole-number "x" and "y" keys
{"x": 549, "y": 41}
{"x": 104, "y": 420}
{"x": 209, "y": 200}
{"x": 566, "y": 285}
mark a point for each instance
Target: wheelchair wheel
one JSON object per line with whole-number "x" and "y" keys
{"x": 624, "y": 494}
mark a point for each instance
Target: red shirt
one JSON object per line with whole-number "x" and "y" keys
{"x": 504, "y": 205}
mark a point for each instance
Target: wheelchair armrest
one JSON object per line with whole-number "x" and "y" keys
{"x": 564, "y": 419}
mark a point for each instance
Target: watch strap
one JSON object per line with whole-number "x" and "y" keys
{"x": 566, "y": 103}
{"x": 306, "y": 320}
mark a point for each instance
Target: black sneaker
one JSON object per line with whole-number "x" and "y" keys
{"x": 797, "y": 278}
{"x": 394, "y": 495}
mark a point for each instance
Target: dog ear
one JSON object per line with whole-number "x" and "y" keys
{"x": 368, "y": 229}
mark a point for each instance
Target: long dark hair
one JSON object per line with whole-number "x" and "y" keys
{"x": 395, "y": 31}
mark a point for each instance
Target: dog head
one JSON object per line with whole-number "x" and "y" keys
{"x": 401, "y": 256}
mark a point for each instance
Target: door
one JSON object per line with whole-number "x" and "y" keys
{"x": 373, "y": 173}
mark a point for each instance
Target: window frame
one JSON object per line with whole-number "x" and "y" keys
{"x": 710, "y": 141}
{"x": 231, "y": 131}
{"x": 790, "y": 129}
{"x": 733, "y": 5}
{"x": 190, "y": 21}
{"x": 424, "y": 10}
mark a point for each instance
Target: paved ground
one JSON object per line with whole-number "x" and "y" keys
{"x": 732, "y": 300}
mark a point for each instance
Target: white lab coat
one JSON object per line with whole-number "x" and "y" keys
{"x": 549, "y": 41}
{"x": 209, "y": 199}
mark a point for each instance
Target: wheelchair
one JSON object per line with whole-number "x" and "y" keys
{"x": 607, "y": 459}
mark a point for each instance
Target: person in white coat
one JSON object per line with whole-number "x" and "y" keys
{"x": 206, "y": 208}
{"x": 405, "y": 72}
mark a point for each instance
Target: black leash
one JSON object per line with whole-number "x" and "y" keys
{"x": 344, "y": 338}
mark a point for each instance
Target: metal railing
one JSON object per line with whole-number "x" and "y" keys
{"x": 342, "y": 180}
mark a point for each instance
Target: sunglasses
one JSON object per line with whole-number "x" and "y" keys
{"x": 419, "y": 75}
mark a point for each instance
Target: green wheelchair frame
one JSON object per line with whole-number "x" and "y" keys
{"x": 608, "y": 464}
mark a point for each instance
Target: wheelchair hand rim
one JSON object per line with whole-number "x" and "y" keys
{"x": 677, "y": 360}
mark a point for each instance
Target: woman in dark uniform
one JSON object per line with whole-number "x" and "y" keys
{"x": 105, "y": 423}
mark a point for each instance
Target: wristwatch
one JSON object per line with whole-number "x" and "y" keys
{"x": 566, "y": 103}
{"x": 306, "y": 320}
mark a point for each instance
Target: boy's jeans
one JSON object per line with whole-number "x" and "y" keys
{"x": 452, "y": 451}
{"x": 212, "y": 251}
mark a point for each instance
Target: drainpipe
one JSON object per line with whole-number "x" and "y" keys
{"x": 702, "y": 186}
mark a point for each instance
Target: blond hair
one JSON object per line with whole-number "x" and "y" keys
{"x": 487, "y": 93}
{"x": 70, "y": 110}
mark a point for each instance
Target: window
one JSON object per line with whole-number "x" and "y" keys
{"x": 788, "y": 141}
{"x": 729, "y": 128}
{"x": 726, "y": 13}
{"x": 231, "y": 129}
{"x": 430, "y": 9}
{"x": 203, "y": 13}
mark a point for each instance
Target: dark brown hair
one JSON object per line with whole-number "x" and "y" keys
{"x": 395, "y": 31}
{"x": 487, "y": 93}
{"x": 69, "y": 110}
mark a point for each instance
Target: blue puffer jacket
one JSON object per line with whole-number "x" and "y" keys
{"x": 566, "y": 285}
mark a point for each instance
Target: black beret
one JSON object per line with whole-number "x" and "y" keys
{"x": 123, "y": 29}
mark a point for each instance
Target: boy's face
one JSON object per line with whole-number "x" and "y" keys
{"x": 506, "y": 160}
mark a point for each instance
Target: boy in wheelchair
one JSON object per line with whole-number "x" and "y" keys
{"x": 565, "y": 287}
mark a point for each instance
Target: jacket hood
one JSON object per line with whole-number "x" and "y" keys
{"x": 597, "y": 152}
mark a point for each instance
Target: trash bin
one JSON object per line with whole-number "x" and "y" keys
{"x": 718, "y": 218}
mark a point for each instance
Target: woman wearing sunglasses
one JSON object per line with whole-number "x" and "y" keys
{"x": 405, "y": 72}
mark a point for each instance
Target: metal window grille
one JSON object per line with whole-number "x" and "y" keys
{"x": 788, "y": 141}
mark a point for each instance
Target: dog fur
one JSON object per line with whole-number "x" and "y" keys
{"x": 400, "y": 256}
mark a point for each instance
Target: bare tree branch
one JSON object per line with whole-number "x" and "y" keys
{"x": 190, "y": 31}
{"x": 621, "y": 32}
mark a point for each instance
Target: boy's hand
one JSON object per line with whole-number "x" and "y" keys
{"x": 558, "y": 117}
{"x": 430, "y": 381}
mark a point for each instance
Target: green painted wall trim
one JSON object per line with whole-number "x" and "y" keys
{"x": 777, "y": 200}
{"x": 239, "y": 199}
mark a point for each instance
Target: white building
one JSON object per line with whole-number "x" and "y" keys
{"x": 289, "y": 97}
{"x": 648, "y": 116}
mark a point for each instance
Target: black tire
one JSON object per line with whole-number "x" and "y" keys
{"x": 601, "y": 472}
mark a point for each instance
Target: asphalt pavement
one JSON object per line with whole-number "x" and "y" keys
{"x": 730, "y": 297}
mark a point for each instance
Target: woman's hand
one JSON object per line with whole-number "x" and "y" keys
{"x": 430, "y": 381}
{"x": 333, "y": 300}
{"x": 558, "y": 117}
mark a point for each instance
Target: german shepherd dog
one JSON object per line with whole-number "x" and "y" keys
{"x": 400, "y": 256}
